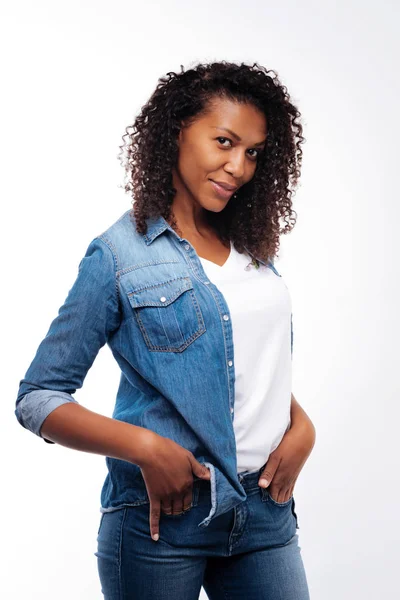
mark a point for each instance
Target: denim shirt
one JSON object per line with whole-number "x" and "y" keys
{"x": 170, "y": 331}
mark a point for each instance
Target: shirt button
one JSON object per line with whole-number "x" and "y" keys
{"x": 207, "y": 282}
{"x": 163, "y": 298}
{"x": 230, "y": 363}
{"x": 187, "y": 246}
{"x": 232, "y": 409}
{"x": 225, "y": 318}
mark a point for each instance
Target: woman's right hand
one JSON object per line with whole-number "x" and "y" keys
{"x": 168, "y": 474}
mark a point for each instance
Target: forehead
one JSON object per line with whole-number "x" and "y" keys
{"x": 243, "y": 119}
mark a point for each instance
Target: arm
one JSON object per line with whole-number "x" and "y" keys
{"x": 45, "y": 404}
{"x": 84, "y": 323}
{"x": 299, "y": 417}
{"x": 74, "y": 426}
{"x": 286, "y": 461}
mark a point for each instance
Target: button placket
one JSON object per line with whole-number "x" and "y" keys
{"x": 225, "y": 317}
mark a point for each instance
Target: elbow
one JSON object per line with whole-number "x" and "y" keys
{"x": 34, "y": 407}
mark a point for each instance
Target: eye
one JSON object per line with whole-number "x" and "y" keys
{"x": 255, "y": 150}
{"x": 223, "y": 138}
{"x": 251, "y": 149}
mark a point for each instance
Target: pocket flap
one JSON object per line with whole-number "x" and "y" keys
{"x": 160, "y": 294}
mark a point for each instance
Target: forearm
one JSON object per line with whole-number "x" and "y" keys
{"x": 74, "y": 426}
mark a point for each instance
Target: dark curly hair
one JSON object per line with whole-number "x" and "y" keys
{"x": 251, "y": 218}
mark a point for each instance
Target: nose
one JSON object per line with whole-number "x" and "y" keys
{"x": 235, "y": 165}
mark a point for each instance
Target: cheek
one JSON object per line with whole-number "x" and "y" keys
{"x": 199, "y": 164}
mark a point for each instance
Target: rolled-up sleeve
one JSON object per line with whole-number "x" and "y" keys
{"x": 85, "y": 322}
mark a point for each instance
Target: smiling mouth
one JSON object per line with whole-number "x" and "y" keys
{"x": 221, "y": 191}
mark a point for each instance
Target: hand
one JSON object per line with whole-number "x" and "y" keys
{"x": 286, "y": 461}
{"x": 168, "y": 475}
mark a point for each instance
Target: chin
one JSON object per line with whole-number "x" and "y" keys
{"x": 216, "y": 206}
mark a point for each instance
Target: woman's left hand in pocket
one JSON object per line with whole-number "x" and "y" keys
{"x": 286, "y": 461}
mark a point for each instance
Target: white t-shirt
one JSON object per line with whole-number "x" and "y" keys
{"x": 260, "y": 306}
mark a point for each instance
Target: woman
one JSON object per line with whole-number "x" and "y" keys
{"x": 184, "y": 291}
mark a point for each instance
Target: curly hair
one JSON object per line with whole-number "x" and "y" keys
{"x": 251, "y": 218}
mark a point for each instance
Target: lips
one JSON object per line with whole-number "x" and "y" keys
{"x": 226, "y": 186}
{"x": 221, "y": 191}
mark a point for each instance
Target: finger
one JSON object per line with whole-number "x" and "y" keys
{"x": 274, "y": 493}
{"x": 177, "y": 505}
{"x": 181, "y": 504}
{"x": 278, "y": 494}
{"x": 270, "y": 469}
{"x": 167, "y": 506}
{"x": 283, "y": 495}
{"x": 155, "y": 507}
{"x": 188, "y": 499}
{"x": 286, "y": 495}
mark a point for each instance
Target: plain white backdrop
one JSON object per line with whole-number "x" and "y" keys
{"x": 73, "y": 76}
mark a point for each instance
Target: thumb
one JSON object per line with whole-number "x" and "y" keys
{"x": 200, "y": 470}
{"x": 269, "y": 471}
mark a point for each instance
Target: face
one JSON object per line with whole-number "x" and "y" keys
{"x": 209, "y": 152}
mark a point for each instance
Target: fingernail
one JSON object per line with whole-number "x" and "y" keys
{"x": 155, "y": 537}
{"x": 263, "y": 482}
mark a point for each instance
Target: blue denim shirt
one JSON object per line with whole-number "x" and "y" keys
{"x": 170, "y": 331}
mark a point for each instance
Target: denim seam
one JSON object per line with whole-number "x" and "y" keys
{"x": 162, "y": 283}
{"x": 151, "y": 263}
{"x": 120, "y": 553}
{"x": 124, "y": 505}
{"x": 113, "y": 251}
{"x": 230, "y": 540}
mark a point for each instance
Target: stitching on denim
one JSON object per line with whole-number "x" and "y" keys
{"x": 154, "y": 234}
{"x": 270, "y": 499}
{"x": 113, "y": 250}
{"x": 120, "y": 553}
{"x": 120, "y": 506}
{"x": 150, "y": 263}
{"x": 200, "y": 330}
{"x": 175, "y": 293}
{"x": 230, "y": 541}
{"x": 161, "y": 284}
{"x": 155, "y": 348}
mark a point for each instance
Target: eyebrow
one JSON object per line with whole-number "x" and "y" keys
{"x": 235, "y": 135}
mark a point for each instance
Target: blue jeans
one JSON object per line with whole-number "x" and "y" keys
{"x": 249, "y": 553}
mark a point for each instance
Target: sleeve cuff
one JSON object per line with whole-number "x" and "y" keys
{"x": 36, "y": 406}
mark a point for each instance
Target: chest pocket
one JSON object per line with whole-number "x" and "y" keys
{"x": 167, "y": 313}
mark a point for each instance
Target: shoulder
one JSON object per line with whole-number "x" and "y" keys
{"x": 125, "y": 243}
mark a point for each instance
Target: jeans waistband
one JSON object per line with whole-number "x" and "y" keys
{"x": 247, "y": 480}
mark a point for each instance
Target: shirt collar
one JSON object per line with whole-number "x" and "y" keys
{"x": 157, "y": 225}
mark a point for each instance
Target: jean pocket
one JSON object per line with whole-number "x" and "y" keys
{"x": 266, "y": 497}
{"x": 168, "y": 314}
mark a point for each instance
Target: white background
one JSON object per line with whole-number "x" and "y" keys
{"x": 73, "y": 76}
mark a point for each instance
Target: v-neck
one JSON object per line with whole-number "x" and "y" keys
{"x": 215, "y": 264}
